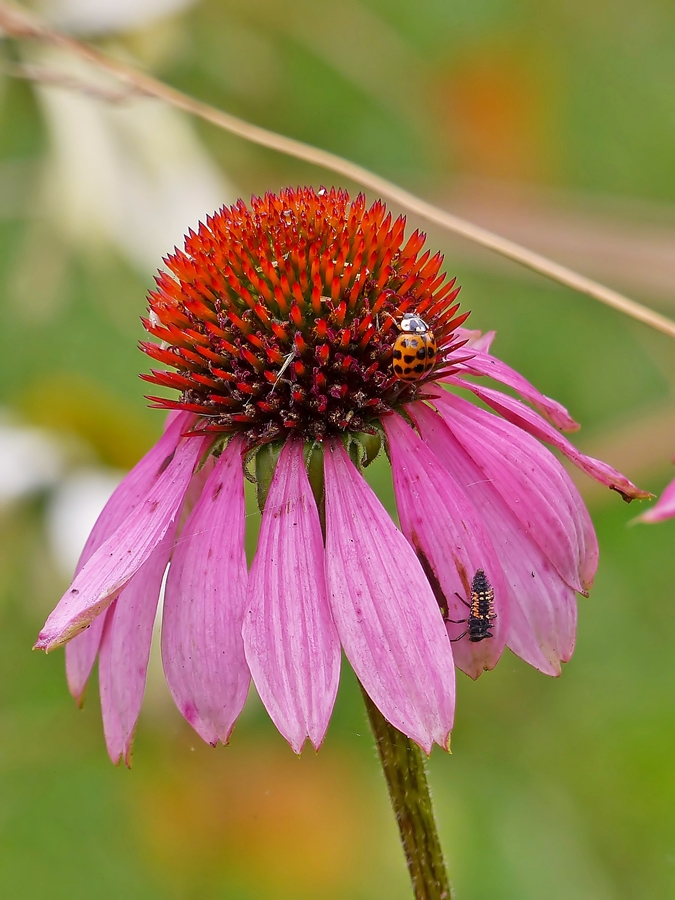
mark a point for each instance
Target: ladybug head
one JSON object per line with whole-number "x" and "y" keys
{"x": 412, "y": 324}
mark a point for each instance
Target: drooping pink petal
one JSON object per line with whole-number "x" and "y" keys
{"x": 204, "y": 602}
{"x": 532, "y": 482}
{"x": 486, "y": 364}
{"x": 524, "y": 417}
{"x": 291, "y": 641}
{"x": 115, "y": 562}
{"x": 386, "y": 615}
{"x": 447, "y": 534}
{"x": 136, "y": 484}
{"x": 663, "y": 509}
{"x": 542, "y": 607}
{"x": 125, "y": 650}
{"x": 81, "y": 651}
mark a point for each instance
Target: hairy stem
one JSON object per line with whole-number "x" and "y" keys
{"x": 404, "y": 769}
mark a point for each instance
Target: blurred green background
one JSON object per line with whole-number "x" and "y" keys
{"x": 552, "y": 123}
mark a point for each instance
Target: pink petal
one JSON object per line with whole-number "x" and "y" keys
{"x": 528, "y": 420}
{"x": 386, "y": 615}
{"x": 485, "y": 364}
{"x": 81, "y": 654}
{"x": 81, "y": 651}
{"x": 186, "y": 420}
{"x": 446, "y": 533}
{"x": 195, "y": 489}
{"x": 291, "y": 642}
{"x": 663, "y": 509}
{"x": 534, "y": 485}
{"x": 476, "y": 340}
{"x": 202, "y": 647}
{"x": 136, "y": 485}
{"x": 115, "y": 562}
{"x": 125, "y": 650}
{"x": 542, "y": 608}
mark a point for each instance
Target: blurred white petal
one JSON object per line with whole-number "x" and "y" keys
{"x": 30, "y": 460}
{"x": 73, "y": 509}
{"x": 132, "y": 174}
{"x": 101, "y": 16}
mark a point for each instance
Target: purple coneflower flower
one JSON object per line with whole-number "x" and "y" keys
{"x": 279, "y": 325}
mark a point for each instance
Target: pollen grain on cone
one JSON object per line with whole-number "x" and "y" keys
{"x": 281, "y": 317}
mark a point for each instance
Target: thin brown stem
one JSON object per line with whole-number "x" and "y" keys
{"x": 55, "y": 78}
{"x": 405, "y": 773}
{"x": 24, "y": 25}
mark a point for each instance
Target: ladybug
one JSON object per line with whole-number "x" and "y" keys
{"x": 414, "y": 349}
{"x": 481, "y": 610}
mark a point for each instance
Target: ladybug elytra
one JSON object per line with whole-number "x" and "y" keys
{"x": 414, "y": 348}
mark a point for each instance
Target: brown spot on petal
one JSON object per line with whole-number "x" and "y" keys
{"x": 166, "y": 463}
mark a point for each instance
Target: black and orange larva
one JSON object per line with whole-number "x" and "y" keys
{"x": 481, "y": 610}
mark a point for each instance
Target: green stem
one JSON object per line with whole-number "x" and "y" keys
{"x": 404, "y": 768}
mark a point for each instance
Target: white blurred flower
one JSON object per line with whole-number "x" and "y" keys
{"x": 132, "y": 174}
{"x": 103, "y": 16}
{"x": 31, "y": 460}
{"x": 73, "y": 509}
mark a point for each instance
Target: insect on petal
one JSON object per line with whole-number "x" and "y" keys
{"x": 447, "y": 534}
{"x": 542, "y": 607}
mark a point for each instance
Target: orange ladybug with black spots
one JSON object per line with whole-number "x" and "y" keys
{"x": 414, "y": 349}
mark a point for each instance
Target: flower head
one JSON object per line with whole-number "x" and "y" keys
{"x": 281, "y": 325}
{"x": 281, "y": 319}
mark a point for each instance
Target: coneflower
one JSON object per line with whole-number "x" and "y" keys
{"x": 280, "y": 325}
